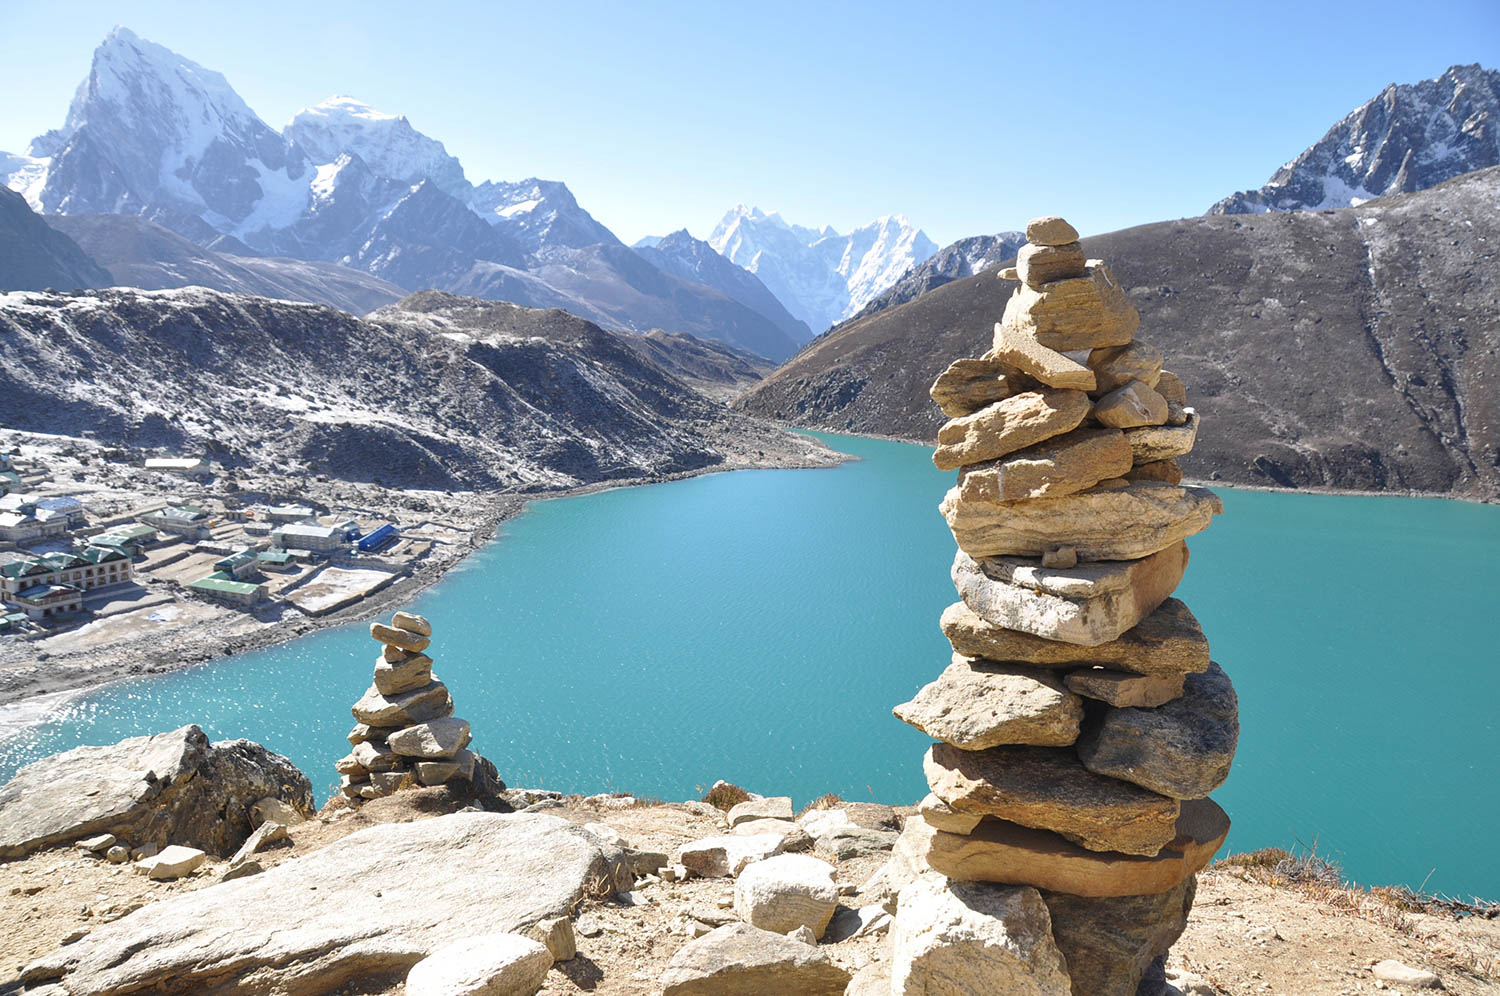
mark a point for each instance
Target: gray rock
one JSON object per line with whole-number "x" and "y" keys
{"x": 1394, "y": 971}
{"x": 1125, "y": 690}
{"x": 872, "y": 980}
{"x": 976, "y": 704}
{"x": 431, "y": 701}
{"x": 434, "y": 740}
{"x": 488, "y": 965}
{"x": 1110, "y": 943}
{"x": 1182, "y": 749}
{"x": 96, "y": 845}
{"x": 533, "y": 867}
{"x": 265, "y": 835}
{"x": 843, "y": 843}
{"x": 741, "y": 960}
{"x": 173, "y": 787}
{"x": 974, "y": 937}
{"x": 373, "y": 756}
{"x": 728, "y": 854}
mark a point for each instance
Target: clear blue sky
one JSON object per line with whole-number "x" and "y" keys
{"x": 966, "y": 117}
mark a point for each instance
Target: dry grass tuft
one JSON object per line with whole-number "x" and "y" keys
{"x": 821, "y": 802}
{"x": 726, "y": 796}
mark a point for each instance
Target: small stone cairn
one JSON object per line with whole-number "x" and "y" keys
{"x": 405, "y": 731}
{"x": 1081, "y": 724}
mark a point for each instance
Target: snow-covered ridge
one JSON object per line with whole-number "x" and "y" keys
{"x": 822, "y": 276}
{"x": 1407, "y": 138}
{"x": 387, "y": 143}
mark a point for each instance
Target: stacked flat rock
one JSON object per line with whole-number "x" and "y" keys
{"x": 405, "y": 731}
{"x": 1081, "y": 724}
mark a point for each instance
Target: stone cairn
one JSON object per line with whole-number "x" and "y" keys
{"x": 1081, "y": 725}
{"x": 405, "y": 731}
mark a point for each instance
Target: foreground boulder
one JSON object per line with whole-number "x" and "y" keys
{"x": 368, "y": 906}
{"x": 974, "y": 937}
{"x": 489, "y": 965}
{"x": 785, "y": 892}
{"x": 170, "y": 788}
{"x": 740, "y": 960}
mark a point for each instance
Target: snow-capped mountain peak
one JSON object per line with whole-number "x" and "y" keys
{"x": 1408, "y": 137}
{"x": 820, "y": 275}
{"x": 387, "y": 143}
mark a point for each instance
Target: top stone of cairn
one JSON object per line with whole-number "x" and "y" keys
{"x": 412, "y": 623}
{"x": 1050, "y": 230}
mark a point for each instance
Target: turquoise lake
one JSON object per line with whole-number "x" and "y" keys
{"x": 759, "y": 626}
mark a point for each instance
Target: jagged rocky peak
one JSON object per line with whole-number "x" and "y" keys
{"x": 387, "y": 143}
{"x": 539, "y": 214}
{"x": 820, "y": 275}
{"x": 1407, "y": 138}
{"x": 149, "y": 130}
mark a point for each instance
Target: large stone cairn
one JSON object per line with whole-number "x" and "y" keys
{"x": 405, "y": 731}
{"x": 1080, "y": 725}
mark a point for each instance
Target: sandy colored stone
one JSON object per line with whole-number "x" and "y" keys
{"x": 431, "y": 701}
{"x": 1050, "y": 230}
{"x": 976, "y": 704}
{"x": 414, "y": 671}
{"x": 374, "y": 756}
{"x": 971, "y": 384}
{"x": 1048, "y": 788}
{"x": 785, "y": 892}
{"x": 1087, "y": 604}
{"x": 174, "y": 861}
{"x": 1008, "y": 425}
{"x": 486, "y": 965}
{"x": 1063, "y": 465}
{"x": 1021, "y": 350}
{"x": 973, "y": 939}
{"x": 1165, "y": 471}
{"x": 1009, "y": 273}
{"x": 1168, "y": 641}
{"x": 412, "y": 623}
{"x": 1163, "y": 442}
{"x": 393, "y": 637}
{"x": 1126, "y": 690}
{"x": 434, "y": 740}
{"x": 1086, "y": 312}
{"x": 1133, "y": 405}
{"x": 773, "y": 808}
{"x": 938, "y": 815}
{"x": 556, "y": 935}
{"x": 724, "y": 855}
{"x": 1116, "y": 366}
{"x": 1170, "y": 386}
{"x": 1182, "y": 749}
{"x": 738, "y": 959}
{"x": 1109, "y": 943}
{"x": 999, "y": 851}
{"x": 1040, "y": 265}
{"x": 1103, "y": 524}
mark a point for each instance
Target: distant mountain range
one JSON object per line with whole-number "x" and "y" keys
{"x": 1407, "y": 138}
{"x": 821, "y": 276}
{"x": 1352, "y": 348}
{"x": 154, "y": 135}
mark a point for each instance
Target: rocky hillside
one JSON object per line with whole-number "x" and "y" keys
{"x": 1406, "y": 138}
{"x": 1339, "y": 349}
{"x": 34, "y": 257}
{"x": 434, "y": 393}
{"x": 139, "y": 253}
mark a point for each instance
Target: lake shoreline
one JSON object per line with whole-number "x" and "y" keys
{"x": 33, "y": 698}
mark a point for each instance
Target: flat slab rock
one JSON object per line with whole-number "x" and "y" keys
{"x": 999, "y": 851}
{"x": 171, "y": 787}
{"x": 1015, "y": 423}
{"x": 740, "y": 960}
{"x": 976, "y": 704}
{"x": 1101, "y": 523}
{"x": 313, "y": 923}
{"x": 1181, "y": 749}
{"x": 1062, "y": 465}
{"x": 1167, "y": 642}
{"x": 1087, "y": 604}
{"x": 1049, "y": 788}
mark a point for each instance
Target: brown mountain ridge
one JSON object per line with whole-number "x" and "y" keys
{"x": 1349, "y": 349}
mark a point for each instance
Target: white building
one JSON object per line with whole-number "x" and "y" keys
{"x": 309, "y": 536}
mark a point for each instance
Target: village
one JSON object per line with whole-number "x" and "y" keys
{"x": 126, "y": 555}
